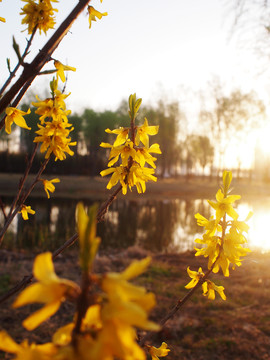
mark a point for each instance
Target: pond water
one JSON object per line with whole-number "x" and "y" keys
{"x": 167, "y": 225}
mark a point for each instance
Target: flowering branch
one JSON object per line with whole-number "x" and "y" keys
{"x": 180, "y": 303}
{"x": 20, "y": 62}
{"x": 32, "y": 70}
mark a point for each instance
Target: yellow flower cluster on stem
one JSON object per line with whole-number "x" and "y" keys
{"x": 110, "y": 315}
{"x": 54, "y": 128}
{"x": 222, "y": 241}
{"x": 131, "y": 149}
{"x": 38, "y": 15}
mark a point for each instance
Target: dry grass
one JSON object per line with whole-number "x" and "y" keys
{"x": 238, "y": 328}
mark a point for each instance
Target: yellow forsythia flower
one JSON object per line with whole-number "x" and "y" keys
{"x": 134, "y": 300}
{"x": 48, "y": 185}
{"x": 93, "y": 13}
{"x": 138, "y": 176}
{"x": 143, "y": 155}
{"x": 54, "y": 133}
{"x": 108, "y": 328}
{"x": 226, "y": 249}
{"x": 156, "y": 353}
{"x": 209, "y": 289}
{"x": 49, "y": 290}
{"x": 40, "y": 15}
{"x": 125, "y": 151}
{"x": 15, "y": 115}
{"x": 25, "y": 210}
{"x": 54, "y": 108}
{"x": 122, "y": 135}
{"x": 118, "y": 175}
{"x": 26, "y": 351}
{"x": 224, "y": 205}
{"x": 195, "y": 276}
{"x": 132, "y": 154}
{"x": 143, "y": 132}
{"x": 209, "y": 225}
{"x": 61, "y": 69}
{"x": 54, "y": 138}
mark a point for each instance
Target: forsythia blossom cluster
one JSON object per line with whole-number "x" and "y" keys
{"x": 222, "y": 241}
{"x": 38, "y": 15}
{"x": 54, "y": 132}
{"x": 107, "y": 329}
{"x": 132, "y": 148}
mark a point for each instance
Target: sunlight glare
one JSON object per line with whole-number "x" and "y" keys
{"x": 258, "y": 235}
{"x": 263, "y": 141}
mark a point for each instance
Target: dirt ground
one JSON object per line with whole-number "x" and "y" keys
{"x": 238, "y": 328}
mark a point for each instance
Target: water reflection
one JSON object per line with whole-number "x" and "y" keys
{"x": 167, "y": 225}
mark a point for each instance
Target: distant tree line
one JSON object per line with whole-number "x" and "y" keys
{"x": 182, "y": 153}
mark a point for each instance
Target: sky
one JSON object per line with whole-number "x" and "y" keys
{"x": 154, "y": 48}
{"x": 161, "y": 50}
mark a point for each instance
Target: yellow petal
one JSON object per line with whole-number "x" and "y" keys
{"x": 8, "y": 123}
{"x": 41, "y": 315}
{"x": 44, "y": 269}
{"x": 62, "y": 336}
{"x": 8, "y": 344}
{"x": 33, "y": 293}
{"x": 136, "y": 268}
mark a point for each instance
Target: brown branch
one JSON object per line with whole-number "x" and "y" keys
{"x": 105, "y": 206}
{"x": 33, "y": 69}
{"x": 182, "y": 302}
{"x": 22, "y": 200}
{"x": 23, "y": 179}
{"x": 18, "y": 287}
{"x": 28, "y": 279}
{"x": 82, "y": 305}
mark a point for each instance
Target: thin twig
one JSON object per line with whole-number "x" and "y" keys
{"x": 22, "y": 200}
{"x": 18, "y": 287}
{"x": 13, "y": 73}
{"x": 23, "y": 179}
{"x": 105, "y": 206}
{"x": 3, "y": 209}
{"x": 177, "y": 307}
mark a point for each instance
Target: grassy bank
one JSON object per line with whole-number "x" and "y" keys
{"x": 238, "y": 328}
{"x": 78, "y": 187}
